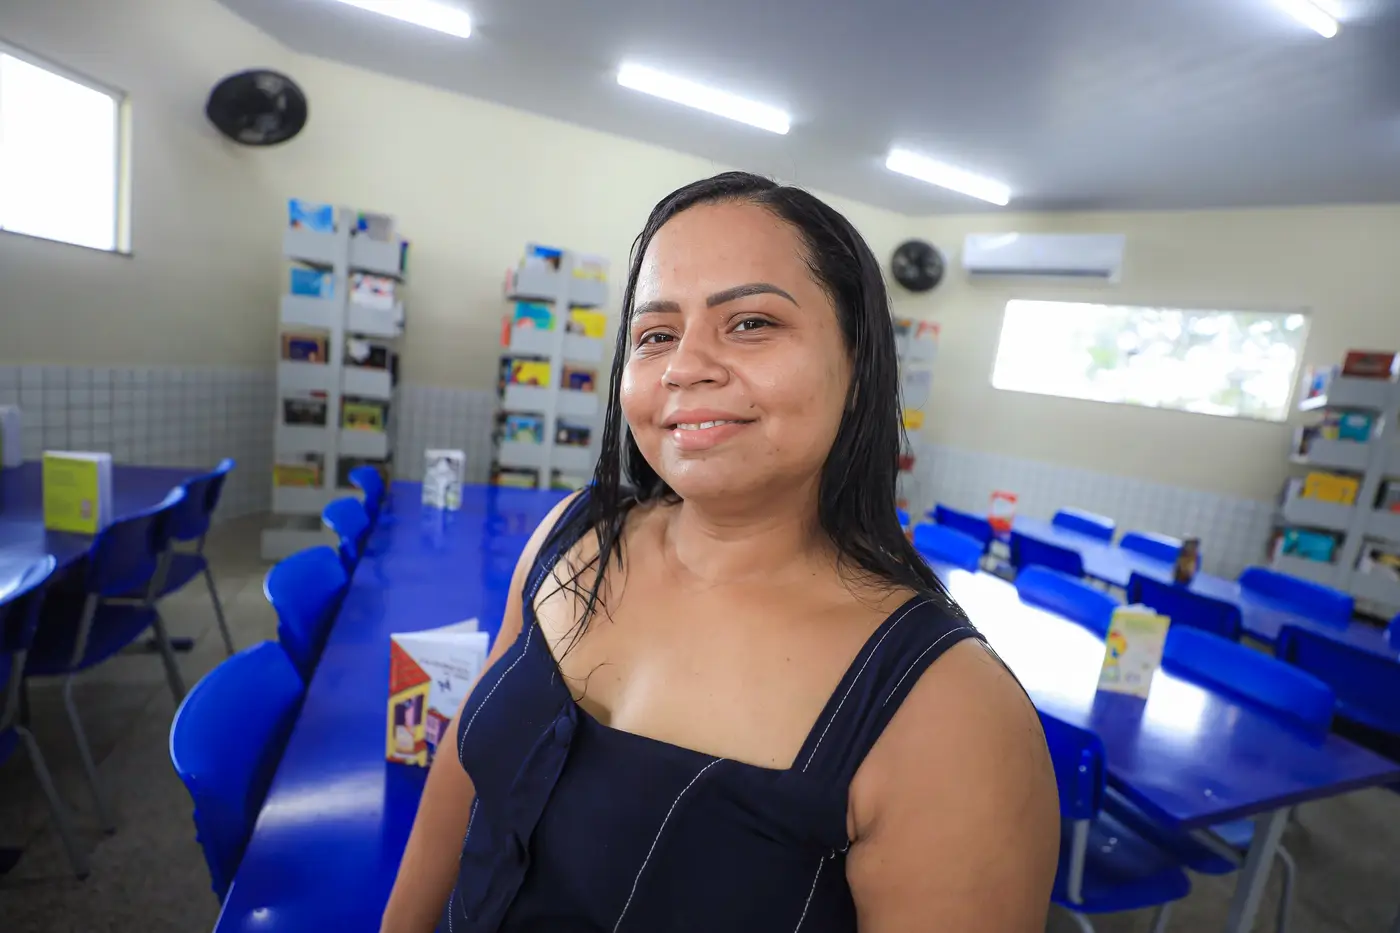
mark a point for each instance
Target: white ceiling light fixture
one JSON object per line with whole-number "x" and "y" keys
{"x": 430, "y": 14}
{"x": 946, "y": 176}
{"x": 1310, "y": 15}
{"x": 708, "y": 99}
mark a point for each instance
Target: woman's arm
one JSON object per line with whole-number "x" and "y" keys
{"x": 429, "y": 867}
{"x": 954, "y": 815}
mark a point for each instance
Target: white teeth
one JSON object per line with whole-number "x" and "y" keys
{"x": 703, "y": 425}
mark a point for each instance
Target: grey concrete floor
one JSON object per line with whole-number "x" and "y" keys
{"x": 150, "y": 876}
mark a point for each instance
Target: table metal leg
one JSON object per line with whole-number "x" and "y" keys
{"x": 1254, "y": 874}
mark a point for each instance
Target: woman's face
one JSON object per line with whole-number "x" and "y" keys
{"x": 737, "y": 371}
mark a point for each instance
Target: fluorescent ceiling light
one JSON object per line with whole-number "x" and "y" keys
{"x": 1310, "y": 15}
{"x": 720, "y": 103}
{"x": 427, "y": 13}
{"x": 945, "y": 176}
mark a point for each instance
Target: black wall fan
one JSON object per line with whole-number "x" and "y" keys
{"x": 257, "y": 107}
{"x": 917, "y": 265}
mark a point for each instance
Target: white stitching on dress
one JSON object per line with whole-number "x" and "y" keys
{"x": 936, "y": 642}
{"x": 452, "y": 901}
{"x": 852, "y": 685}
{"x": 462, "y": 739}
{"x": 805, "y": 907}
{"x": 637, "y": 880}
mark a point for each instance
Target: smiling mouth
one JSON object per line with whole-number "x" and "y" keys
{"x": 701, "y": 425}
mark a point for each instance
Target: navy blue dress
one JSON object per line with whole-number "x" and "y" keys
{"x": 580, "y": 827}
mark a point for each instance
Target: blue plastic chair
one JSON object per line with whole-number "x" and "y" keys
{"x": 1322, "y": 603}
{"x": 1105, "y": 865}
{"x": 190, "y": 523}
{"x": 79, "y": 630}
{"x": 974, "y": 526}
{"x": 225, "y": 743}
{"x": 1067, "y": 596}
{"x": 305, "y": 590}
{"x": 370, "y": 481}
{"x": 903, "y": 517}
{"x": 1162, "y": 548}
{"x": 1027, "y": 551}
{"x": 1288, "y": 694}
{"x": 21, "y": 596}
{"x": 1187, "y": 608}
{"x": 945, "y": 545}
{"x": 350, "y": 522}
{"x": 1085, "y": 523}
{"x": 1367, "y": 685}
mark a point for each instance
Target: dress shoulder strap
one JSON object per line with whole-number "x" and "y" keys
{"x": 571, "y": 526}
{"x": 877, "y": 682}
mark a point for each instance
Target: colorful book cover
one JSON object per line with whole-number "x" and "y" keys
{"x": 310, "y": 215}
{"x": 579, "y": 379}
{"x": 516, "y": 478}
{"x": 11, "y": 449}
{"x": 311, "y": 283}
{"x": 430, "y": 673}
{"x": 1133, "y": 650}
{"x": 364, "y": 416}
{"x": 587, "y": 323}
{"x": 305, "y": 347}
{"x": 590, "y": 266}
{"x": 524, "y": 429}
{"x": 529, "y": 373}
{"x": 572, "y": 435}
{"x": 77, "y": 491}
{"x": 443, "y": 474}
{"x": 303, "y": 473}
{"x": 373, "y": 291}
{"x": 533, "y": 314}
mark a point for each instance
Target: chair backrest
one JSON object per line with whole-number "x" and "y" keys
{"x": 349, "y": 520}
{"x": 190, "y": 521}
{"x": 974, "y": 526}
{"x": 1367, "y": 685}
{"x": 1027, "y": 551}
{"x": 305, "y": 590}
{"x": 21, "y": 597}
{"x": 225, "y": 743}
{"x": 944, "y": 544}
{"x": 1163, "y": 548}
{"x": 369, "y": 481}
{"x": 1187, "y": 608}
{"x": 1078, "y": 759}
{"x": 1066, "y": 596}
{"x": 1314, "y": 600}
{"x": 1085, "y": 523}
{"x": 126, "y": 554}
{"x": 1287, "y": 692}
{"x": 903, "y": 517}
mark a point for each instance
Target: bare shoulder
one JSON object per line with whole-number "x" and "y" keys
{"x": 961, "y": 778}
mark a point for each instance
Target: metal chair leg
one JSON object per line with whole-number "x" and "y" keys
{"x": 104, "y": 816}
{"x": 1285, "y": 898}
{"x": 218, "y": 611}
{"x": 167, "y": 654}
{"x": 76, "y": 856}
{"x": 1160, "y": 918}
{"x": 1081, "y": 921}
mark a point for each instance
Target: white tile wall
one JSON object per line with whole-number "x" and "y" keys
{"x": 1233, "y": 531}
{"x": 438, "y": 417}
{"x": 190, "y": 416}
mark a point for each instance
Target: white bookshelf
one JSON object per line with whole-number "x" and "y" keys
{"x": 562, "y": 290}
{"x": 297, "y": 510}
{"x": 916, "y": 348}
{"x": 1372, "y": 462}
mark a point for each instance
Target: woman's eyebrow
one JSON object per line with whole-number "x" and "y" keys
{"x": 743, "y": 291}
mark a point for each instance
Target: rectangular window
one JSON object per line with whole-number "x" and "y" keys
{"x": 61, "y": 154}
{"x": 1236, "y": 363}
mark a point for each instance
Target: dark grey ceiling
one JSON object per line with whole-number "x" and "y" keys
{"x": 1074, "y": 103}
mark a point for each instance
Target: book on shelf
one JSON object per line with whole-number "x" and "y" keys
{"x": 370, "y": 354}
{"x": 373, "y": 226}
{"x": 373, "y": 291}
{"x": 580, "y": 378}
{"x": 561, "y": 480}
{"x": 77, "y": 491}
{"x": 305, "y": 408}
{"x": 517, "y": 478}
{"x": 586, "y": 323}
{"x": 311, "y": 216}
{"x": 305, "y": 346}
{"x": 11, "y": 436}
{"x": 567, "y": 434}
{"x": 527, "y": 372}
{"x": 299, "y": 471}
{"x": 523, "y": 429}
{"x": 444, "y": 471}
{"x": 1133, "y": 650}
{"x": 364, "y": 415}
{"x": 590, "y": 266}
{"x": 532, "y": 315}
{"x": 311, "y": 283}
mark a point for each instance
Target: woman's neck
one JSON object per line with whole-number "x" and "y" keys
{"x": 729, "y": 542}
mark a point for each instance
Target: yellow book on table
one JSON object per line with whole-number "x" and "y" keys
{"x": 1133, "y": 650}
{"x": 77, "y": 491}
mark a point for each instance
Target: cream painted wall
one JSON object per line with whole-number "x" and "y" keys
{"x": 1337, "y": 263}
{"x": 202, "y": 208}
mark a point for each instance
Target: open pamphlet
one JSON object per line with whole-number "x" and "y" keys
{"x": 1133, "y": 650}
{"x": 430, "y": 673}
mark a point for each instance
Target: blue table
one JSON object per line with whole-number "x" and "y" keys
{"x": 337, "y": 817}
{"x": 22, "y": 534}
{"x": 1262, "y": 617}
{"x": 1191, "y": 756}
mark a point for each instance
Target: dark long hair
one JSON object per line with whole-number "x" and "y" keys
{"x": 857, "y": 490}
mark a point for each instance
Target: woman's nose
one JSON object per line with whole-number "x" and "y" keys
{"x": 695, "y": 360}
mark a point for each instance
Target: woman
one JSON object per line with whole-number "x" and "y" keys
{"x": 714, "y": 703}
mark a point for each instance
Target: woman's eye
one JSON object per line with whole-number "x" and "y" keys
{"x": 752, "y": 323}
{"x": 654, "y": 337}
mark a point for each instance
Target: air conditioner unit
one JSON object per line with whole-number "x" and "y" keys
{"x": 1096, "y": 256}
